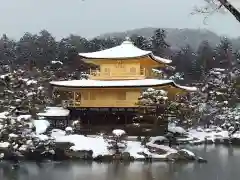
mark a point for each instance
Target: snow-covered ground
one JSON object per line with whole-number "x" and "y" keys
{"x": 201, "y": 135}
{"x": 209, "y": 134}
{"x": 98, "y": 144}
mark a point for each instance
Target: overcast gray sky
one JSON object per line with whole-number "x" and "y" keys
{"x": 90, "y": 18}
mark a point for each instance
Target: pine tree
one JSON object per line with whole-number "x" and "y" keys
{"x": 159, "y": 43}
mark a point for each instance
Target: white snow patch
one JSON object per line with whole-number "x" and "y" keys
{"x": 209, "y": 134}
{"x": 42, "y": 137}
{"x": 176, "y": 129}
{"x": 158, "y": 138}
{"x": 188, "y": 152}
{"x": 68, "y": 129}
{"x": 157, "y": 71}
{"x": 30, "y": 94}
{"x": 56, "y": 62}
{"x": 5, "y": 75}
{"x": 4, "y": 144}
{"x": 96, "y": 144}
{"x": 163, "y": 147}
{"x": 57, "y": 133}
{"x": 30, "y": 82}
{"x": 24, "y": 117}
{"x": 41, "y": 126}
{"x": 12, "y": 135}
{"x": 23, "y": 148}
{"x": 99, "y": 146}
{"x": 3, "y": 115}
{"x": 118, "y": 132}
{"x": 40, "y": 88}
{"x": 54, "y": 111}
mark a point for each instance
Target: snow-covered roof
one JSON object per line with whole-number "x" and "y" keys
{"x": 54, "y": 112}
{"x": 118, "y": 83}
{"x": 123, "y": 51}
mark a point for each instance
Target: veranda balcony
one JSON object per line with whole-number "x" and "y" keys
{"x": 98, "y": 75}
{"x": 97, "y": 103}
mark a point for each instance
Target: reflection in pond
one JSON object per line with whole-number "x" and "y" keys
{"x": 224, "y": 163}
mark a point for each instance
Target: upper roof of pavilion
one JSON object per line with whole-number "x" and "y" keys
{"x": 126, "y": 50}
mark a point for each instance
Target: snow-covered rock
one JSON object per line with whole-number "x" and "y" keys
{"x": 176, "y": 129}
{"x": 202, "y": 135}
{"x": 3, "y": 115}
{"x": 118, "y": 132}
{"x": 24, "y": 117}
{"x": 4, "y": 144}
{"x": 41, "y": 126}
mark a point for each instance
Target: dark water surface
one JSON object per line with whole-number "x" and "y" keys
{"x": 223, "y": 164}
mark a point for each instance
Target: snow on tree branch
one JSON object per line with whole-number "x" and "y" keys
{"x": 212, "y": 6}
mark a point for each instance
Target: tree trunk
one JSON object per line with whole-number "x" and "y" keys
{"x": 231, "y": 9}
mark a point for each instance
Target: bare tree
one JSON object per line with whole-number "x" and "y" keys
{"x": 213, "y": 6}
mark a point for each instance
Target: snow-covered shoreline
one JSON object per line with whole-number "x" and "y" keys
{"x": 37, "y": 140}
{"x": 27, "y": 138}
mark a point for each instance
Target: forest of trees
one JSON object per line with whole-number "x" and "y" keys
{"x": 40, "y": 49}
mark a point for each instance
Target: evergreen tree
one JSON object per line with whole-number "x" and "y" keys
{"x": 159, "y": 43}
{"x": 205, "y": 57}
{"x": 141, "y": 42}
{"x": 224, "y": 54}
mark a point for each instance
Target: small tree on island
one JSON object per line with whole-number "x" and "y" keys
{"x": 117, "y": 141}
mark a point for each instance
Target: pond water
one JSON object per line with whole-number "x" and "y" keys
{"x": 223, "y": 164}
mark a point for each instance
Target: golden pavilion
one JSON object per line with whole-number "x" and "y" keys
{"x": 115, "y": 86}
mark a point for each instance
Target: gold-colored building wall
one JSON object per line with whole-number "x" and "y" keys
{"x": 109, "y": 97}
{"x": 127, "y": 97}
{"x": 137, "y": 68}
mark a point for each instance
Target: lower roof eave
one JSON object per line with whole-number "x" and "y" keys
{"x": 109, "y": 86}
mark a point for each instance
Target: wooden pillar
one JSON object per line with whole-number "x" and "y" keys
{"x": 74, "y": 98}
{"x": 105, "y": 118}
{"x": 125, "y": 116}
{"x": 88, "y": 121}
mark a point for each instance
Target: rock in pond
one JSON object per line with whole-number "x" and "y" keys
{"x": 105, "y": 158}
{"x": 235, "y": 141}
{"x": 81, "y": 154}
{"x": 182, "y": 155}
{"x": 201, "y": 160}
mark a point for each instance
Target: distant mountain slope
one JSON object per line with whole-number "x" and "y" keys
{"x": 175, "y": 37}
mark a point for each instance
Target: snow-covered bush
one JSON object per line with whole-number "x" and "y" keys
{"x": 158, "y": 102}
{"x": 219, "y": 97}
{"x": 69, "y": 130}
{"x": 117, "y": 141}
{"x": 152, "y": 97}
{"x": 18, "y": 135}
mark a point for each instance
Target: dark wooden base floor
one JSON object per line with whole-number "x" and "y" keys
{"x": 104, "y": 122}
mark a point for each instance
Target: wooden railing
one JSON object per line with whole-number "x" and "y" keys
{"x": 70, "y": 103}
{"x": 98, "y": 74}
{"x": 98, "y": 103}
